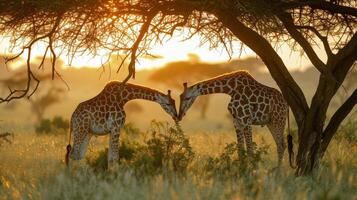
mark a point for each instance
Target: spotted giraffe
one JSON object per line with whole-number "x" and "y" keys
{"x": 252, "y": 103}
{"x": 105, "y": 114}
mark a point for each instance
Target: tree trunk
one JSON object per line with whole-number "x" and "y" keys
{"x": 313, "y": 139}
{"x": 307, "y": 157}
{"x": 313, "y": 142}
{"x": 336, "y": 120}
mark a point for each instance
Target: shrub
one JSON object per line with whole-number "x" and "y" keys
{"x": 348, "y": 131}
{"x": 228, "y": 164}
{"x": 56, "y": 125}
{"x": 127, "y": 153}
{"x": 130, "y": 130}
{"x": 99, "y": 162}
{"x": 45, "y": 127}
{"x": 167, "y": 149}
{"x": 59, "y": 123}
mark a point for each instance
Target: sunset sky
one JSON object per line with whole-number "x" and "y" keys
{"x": 173, "y": 50}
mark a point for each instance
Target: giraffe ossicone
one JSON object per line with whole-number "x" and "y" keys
{"x": 252, "y": 103}
{"x": 104, "y": 114}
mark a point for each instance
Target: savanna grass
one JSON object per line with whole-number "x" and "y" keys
{"x": 165, "y": 163}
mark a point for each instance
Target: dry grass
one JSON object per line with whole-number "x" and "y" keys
{"x": 33, "y": 168}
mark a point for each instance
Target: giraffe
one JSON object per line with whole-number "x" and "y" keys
{"x": 252, "y": 103}
{"x": 104, "y": 114}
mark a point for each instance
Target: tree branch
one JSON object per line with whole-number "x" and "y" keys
{"x": 321, "y": 5}
{"x": 322, "y": 38}
{"x": 350, "y": 49}
{"x": 331, "y": 7}
{"x": 290, "y": 89}
{"x": 337, "y": 119}
{"x": 290, "y": 27}
{"x": 30, "y": 76}
{"x": 143, "y": 31}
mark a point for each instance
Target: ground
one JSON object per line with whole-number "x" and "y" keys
{"x": 32, "y": 167}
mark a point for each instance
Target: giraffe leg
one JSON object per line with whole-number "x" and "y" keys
{"x": 240, "y": 138}
{"x": 247, "y": 131}
{"x": 80, "y": 144}
{"x": 81, "y": 138}
{"x": 113, "y": 152}
{"x": 278, "y": 136}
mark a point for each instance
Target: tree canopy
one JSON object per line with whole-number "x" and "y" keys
{"x": 131, "y": 27}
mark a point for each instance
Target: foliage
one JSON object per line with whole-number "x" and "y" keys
{"x": 48, "y": 178}
{"x": 78, "y": 27}
{"x": 132, "y": 27}
{"x": 44, "y": 126}
{"x": 348, "y": 131}
{"x": 59, "y": 123}
{"x": 131, "y": 131}
{"x": 127, "y": 153}
{"x": 45, "y": 176}
{"x": 56, "y": 125}
{"x": 6, "y": 137}
{"x": 228, "y": 165}
{"x": 167, "y": 149}
{"x": 45, "y": 97}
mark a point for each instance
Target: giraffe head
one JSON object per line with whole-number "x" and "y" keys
{"x": 168, "y": 104}
{"x": 187, "y": 98}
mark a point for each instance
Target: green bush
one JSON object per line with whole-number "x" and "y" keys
{"x": 167, "y": 149}
{"x": 59, "y": 123}
{"x": 45, "y": 127}
{"x": 229, "y": 165}
{"x": 99, "y": 162}
{"x": 131, "y": 131}
{"x": 127, "y": 153}
{"x": 348, "y": 131}
{"x": 56, "y": 125}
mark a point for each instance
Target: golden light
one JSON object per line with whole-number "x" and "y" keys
{"x": 170, "y": 51}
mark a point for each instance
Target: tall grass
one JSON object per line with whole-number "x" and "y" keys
{"x": 32, "y": 168}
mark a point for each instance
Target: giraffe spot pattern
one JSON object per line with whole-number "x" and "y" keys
{"x": 104, "y": 114}
{"x": 252, "y": 103}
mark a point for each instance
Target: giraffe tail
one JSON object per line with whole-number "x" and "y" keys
{"x": 290, "y": 144}
{"x": 69, "y": 147}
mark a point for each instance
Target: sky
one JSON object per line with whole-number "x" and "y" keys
{"x": 176, "y": 50}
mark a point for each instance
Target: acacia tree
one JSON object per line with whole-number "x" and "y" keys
{"x": 45, "y": 96}
{"x": 131, "y": 26}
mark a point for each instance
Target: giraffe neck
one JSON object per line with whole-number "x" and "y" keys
{"x": 140, "y": 92}
{"x": 213, "y": 86}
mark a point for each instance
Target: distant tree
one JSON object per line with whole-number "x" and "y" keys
{"x": 47, "y": 96}
{"x": 39, "y": 105}
{"x": 132, "y": 27}
{"x": 194, "y": 70}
